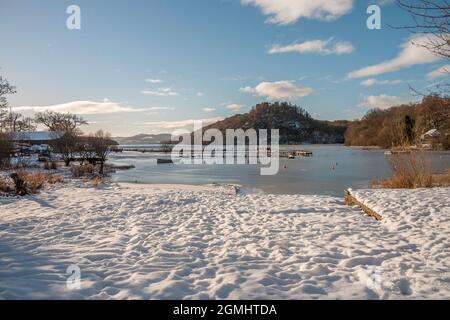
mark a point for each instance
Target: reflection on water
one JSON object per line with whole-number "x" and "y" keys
{"x": 331, "y": 170}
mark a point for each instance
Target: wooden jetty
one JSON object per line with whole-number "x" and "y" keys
{"x": 394, "y": 151}
{"x": 190, "y": 152}
{"x": 295, "y": 153}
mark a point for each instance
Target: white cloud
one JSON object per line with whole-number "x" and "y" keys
{"x": 412, "y": 53}
{"x": 290, "y": 11}
{"x": 440, "y": 72}
{"x": 234, "y": 106}
{"x": 373, "y": 82}
{"x": 161, "y": 92}
{"x": 98, "y": 122}
{"x": 200, "y": 94}
{"x": 209, "y": 109}
{"x": 323, "y": 47}
{"x": 153, "y": 80}
{"x": 385, "y": 2}
{"x": 82, "y": 107}
{"x": 280, "y": 90}
{"x": 382, "y": 101}
{"x": 160, "y": 108}
{"x": 181, "y": 123}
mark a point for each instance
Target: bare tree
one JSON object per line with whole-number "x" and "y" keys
{"x": 5, "y": 88}
{"x": 6, "y": 150}
{"x": 15, "y": 122}
{"x": 69, "y": 124}
{"x": 101, "y": 144}
{"x": 431, "y": 18}
{"x": 67, "y": 146}
{"x": 86, "y": 149}
{"x": 56, "y": 121}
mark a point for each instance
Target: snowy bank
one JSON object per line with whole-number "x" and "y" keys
{"x": 421, "y": 217}
{"x": 165, "y": 242}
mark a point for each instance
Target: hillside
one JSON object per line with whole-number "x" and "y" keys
{"x": 294, "y": 123}
{"x": 143, "y": 139}
{"x": 402, "y": 125}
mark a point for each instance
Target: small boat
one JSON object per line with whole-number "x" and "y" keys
{"x": 303, "y": 153}
{"x": 163, "y": 161}
{"x": 388, "y": 152}
{"x": 291, "y": 156}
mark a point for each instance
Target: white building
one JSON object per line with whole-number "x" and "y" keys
{"x": 432, "y": 133}
{"x": 35, "y": 137}
{"x": 34, "y": 141}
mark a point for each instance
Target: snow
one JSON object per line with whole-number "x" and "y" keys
{"x": 170, "y": 242}
{"x": 421, "y": 217}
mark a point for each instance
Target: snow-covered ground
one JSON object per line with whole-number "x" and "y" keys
{"x": 171, "y": 242}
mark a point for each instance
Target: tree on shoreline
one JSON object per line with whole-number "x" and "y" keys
{"x": 66, "y": 146}
{"x": 401, "y": 125}
{"x": 408, "y": 128}
{"x": 101, "y": 145}
{"x": 69, "y": 125}
{"x": 86, "y": 150}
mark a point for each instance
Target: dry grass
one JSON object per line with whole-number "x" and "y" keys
{"x": 94, "y": 181}
{"x": 411, "y": 170}
{"x": 6, "y": 185}
{"x": 82, "y": 171}
{"x": 36, "y": 180}
{"x": 442, "y": 179}
{"x": 88, "y": 174}
{"x": 32, "y": 182}
{"x": 50, "y": 165}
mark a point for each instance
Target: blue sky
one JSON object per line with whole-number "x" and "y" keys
{"x": 153, "y": 66}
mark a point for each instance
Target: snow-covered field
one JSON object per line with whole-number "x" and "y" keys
{"x": 171, "y": 242}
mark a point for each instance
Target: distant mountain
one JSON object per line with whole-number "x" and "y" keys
{"x": 144, "y": 139}
{"x": 295, "y": 124}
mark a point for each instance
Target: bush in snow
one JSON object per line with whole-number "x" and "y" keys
{"x": 6, "y": 185}
{"x": 50, "y": 165}
{"x": 411, "y": 170}
{"x": 82, "y": 171}
{"x": 24, "y": 182}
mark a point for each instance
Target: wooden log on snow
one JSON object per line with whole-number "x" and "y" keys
{"x": 352, "y": 201}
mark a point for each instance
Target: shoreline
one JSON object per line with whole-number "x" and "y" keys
{"x": 219, "y": 188}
